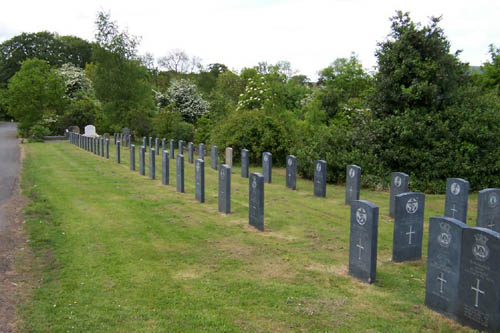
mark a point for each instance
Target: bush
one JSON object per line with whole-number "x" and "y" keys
{"x": 169, "y": 124}
{"x": 38, "y": 131}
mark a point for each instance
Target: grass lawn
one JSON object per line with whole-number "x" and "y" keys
{"x": 116, "y": 251}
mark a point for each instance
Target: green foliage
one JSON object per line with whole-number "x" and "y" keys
{"x": 170, "y": 124}
{"x": 36, "y": 92}
{"x": 80, "y": 112}
{"x": 183, "y": 96}
{"x": 491, "y": 71}
{"x": 38, "y": 131}
{"x": 204, "y": 127}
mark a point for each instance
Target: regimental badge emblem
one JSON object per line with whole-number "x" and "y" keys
{"x": 455, "y": 188}
{"x": 254, "y": 183}
{"x": 318, "y": 167}
{"x": 480, "y": 250}
{"x": 412, "y": 205}
{"x": 493, "y": 200}
{"x": 444, "y": 238}
{"x": 352, "y": 172}
{"x": 290, "y": 162}
{"x": 361, "y": 216}
{"x": 397, "y": 181}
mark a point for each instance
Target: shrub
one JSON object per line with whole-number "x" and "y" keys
{"x": 169, "y": 124}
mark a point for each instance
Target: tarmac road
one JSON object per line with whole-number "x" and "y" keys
{"x": 9, "y": 165}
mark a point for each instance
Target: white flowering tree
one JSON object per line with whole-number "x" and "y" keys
{"x": 77, "y": 83}
{"x": 257, "y": 92}
{"x": 183, "y": 96}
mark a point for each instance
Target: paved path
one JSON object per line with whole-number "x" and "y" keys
{"x": 9, "y": 165}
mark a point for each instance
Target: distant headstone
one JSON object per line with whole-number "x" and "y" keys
{"x": 180, "y": 173}
{"x": 163, "y": 144}
{"x": 190, "y": 152}
{"x": 115, "y": 138}
{"x": 150, "y": 142}
{"x": 399, "y": 184}
{"x": 201, "y": 151}
{"x": 199, "y": 176}
{"x": 126, "y": 131}
{"x": 142, "y": 160}
{"x": 488, "y": 209}
{"x": 352, "y": 183}
{"x": 320, "y": 178}
{"x": 118, "y": 152}
{"x": 144, "y": 141}
{"x": 229, "y": 156}
{"x": 267, "y": 166}
{"x": 443, "y": 264}
{"x": 363, "y": 240}
{"x": 181, "y": 147}
{"x": 291, "y": 172}
{"x": 106, "y": 135}
{"x": 156, "y": 146}
{"x": 107, "y": 148}
{"x": 74, "y": 129}
{"x": 479, "y": 288}
{"x": 172, "y": 148}
{"x": 225, "y": 189}
{"x": 213, "y": 157}
{"x": 152, "y": 165}
{"x": 408, "y": 226}
{"x": 245, "y": 163}
{"x": 103, "y": 143}
{"x": 165, "y": 168}
{"x": 132, "y": 157}
{"x": 256, "y": 201}
{"x": 457, "y": 194}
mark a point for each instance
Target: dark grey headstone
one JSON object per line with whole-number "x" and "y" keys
{"x": 213, "y": 158}
{"x": 156, "y": 146}
{"x": 488, "y": 209}
{"x": 172, "y": 148}
{"x": 225, "y": 189}
{"x": 107, "y": 148}
{"x": 352, "y": 183}
{"x": 190, "y": 152}
{"x": 142, "y": 160}
{"x": 457, "y": 194}
{"x": 163, "y": 144}
{"x": 201, "y": 151}
{"x": 479, "y": 287}
{"x": 118, "y": 152}
{"x": 443, "y": 264}
{"x": 199, "y": 176}
{"x": 165, "y": 168}
{"x": 132, "y": 157}
{"x": 320, "y": 178}
{"x": 363, "y": 240}
{"x": 144, "y": 141}
{"x": 180, "y": 173}
{"x": 408, "y": 226}
{"x": 150, "y": 142}
{"x": 256, "y": 201}
{"x": 399, "y": 184}
{"x": 103, "y": 143}
{"x": 94, "y": 141}
{"x": 267, "y": 167}
{"x": 291, "y": 172}
{"x": 114, "y": 137}
{"x": 126, "y": 131}
{"x": 244, "y": 163}
{"x": 181, "y": 147}
{"x": 74, "y": 129}
{"x": 152, "y": 165}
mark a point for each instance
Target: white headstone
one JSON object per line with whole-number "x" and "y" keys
{"x": 90, "y": 131}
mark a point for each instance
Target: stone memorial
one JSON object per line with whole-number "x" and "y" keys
{"x": 399, "y": 184}
{"x": 156, "y": 146}
{"x": 229, "y": 156}
{"x": 457, "y": 194}
{"x": 165, "y": 168}
{"x": 172, "y": 148}
{"x": 291, "y": 172}
{"x": 180, "y": 173}
{"x": 118, "y": 152}
{"x": 132, "y": 157}
{"x": 74, "y": 129}
{"x": 102, "y": 146}
{"x": 144, "y": 142}
{"x": 163, "y": 144}
{"x": 90, "y": 131}
{"x": 488, "y": 209}
{"x": 190, "y": 152}
{"x": 245, "y": 163}
{"x": 150, "y": 142}
{"x": 444, "y": 251}
{"x": 267, "y": 167}
{"x": 320, "y": 178}
{"x": 363, "y": 240}
{"x": 479, "y": 287}
{"x": 213, "y": 157}
{"x": 181, "y": 147}
{"x": 107, "y": 148}
{"x": 199, "y": 176}
{"x": 352, "y": 183}
{"x": 152, "y": 166}
{"x": 142, "y": 160}
{"x": 225, "y": 189}
{"x": 408, "y": 226}
{"x": 256, "y": 201}
{"x": 201, "y": 151}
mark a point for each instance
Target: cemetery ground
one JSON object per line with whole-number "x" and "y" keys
{"x": 117, "y": 251}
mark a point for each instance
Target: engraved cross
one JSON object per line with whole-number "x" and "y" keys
{"x": 360, "y": 247}
{"x": 442, "y": 280}
{"x": 409, "y": 233}
{"x": 454, "y": 210}
{"x": 478, "y": 291}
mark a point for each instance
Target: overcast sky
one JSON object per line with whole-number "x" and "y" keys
{"x": 239, "y": 33}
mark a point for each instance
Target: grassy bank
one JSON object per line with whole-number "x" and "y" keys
{"x": 117, "y": 251}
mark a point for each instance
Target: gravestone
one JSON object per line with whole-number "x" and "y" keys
{"x": 479, "y": 288}
{"x": 102, "y": 146}
{"x": 118, "y": 152}
{"x": 229, "y": 156}
{"x": 399, "y": 184}
{"x": 126, "y": 131}
{"x": 444, "y": 251}
{"x": 408, "y": 226}
{"x": 114, "y": 138}
{"x": 142, "y": 160}
{"x": 156, "y": 146}
{"x": 201, "y": 151}
{"x": 106, "y": 135}
{"x": 144, "y": 141}
{"x": 150, "y": 142}
{"x": 225, "y": 189}
{"x": 363, "y": 240}
{"x": 90, "y": 131}
{"x": 457, "y": 193}
{"x": 163, "y": 143}
{"x": 132, "y": 157}
{"x": 244, "y": 163}
{"x": 267, "y": 166}
{"x": 190, "y": 152}
{"x": 488, "y": 209}
{"x": 172, "y": 148}
{"x": 74, "y": 129}
{"x": 107, "y": 148}
{"x": 213, "y": 158}
{"x": 152, "y": 165}
{"x": 199, "y": 176}
{"x": 256, "y": 201}
{"x": 181, "y": 147}
{"x": 291, "y": 172}
{"x": 352, "y": 183}
{"x": 180, "y": 173}
{"x": 320, "y": 178}
{"x": 165, "y": 168}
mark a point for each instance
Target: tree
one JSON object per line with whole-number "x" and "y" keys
{"x": 491, "y": 71}
{"x": 184, "y": 97}
{"x": 36, "y": 94}
{"x": 179, "y": 62}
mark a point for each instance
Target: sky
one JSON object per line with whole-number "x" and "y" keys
{"x": 309, "y": 34}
